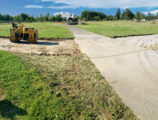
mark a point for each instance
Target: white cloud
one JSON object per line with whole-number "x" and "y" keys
{"x": 152, "y": 12}
{"x": 33, "y": 6}
{"x": 62, "y": 7}
{"x": 105, "y": 3}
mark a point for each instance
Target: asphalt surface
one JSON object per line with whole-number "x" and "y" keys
{"x": 129, "y": 65}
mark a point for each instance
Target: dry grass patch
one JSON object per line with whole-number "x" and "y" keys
{"x": 77, "y": 77}
{"x": 2, "y": 96}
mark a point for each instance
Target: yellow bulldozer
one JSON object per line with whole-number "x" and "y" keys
{"x": 18, "y": 33}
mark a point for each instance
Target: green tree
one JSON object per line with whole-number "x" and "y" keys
{"x": 101, "y": 15}
{"x": 6, "y": 17}
{"x": 138, "y": 16}
{"x": 17, "y": 18}
{"x": 52, "y": 18}
{"x": 157, "y": 15}
{"x": 92, "y": 15}
{"x": 118, "y": 14}
{"x": 46, "y": 18}
{"x": 85, "y": 15}
{"x": 41, "y": 18}
{"x": 31, "y": 19}
{"x": 127, "y": 15}
{"x": 0, "y": 17}
{"x": 59, "y": 18}
{"x": 142, "y": 15}
{"x": 23, "y": 16}
{"x": 149, "y": 16}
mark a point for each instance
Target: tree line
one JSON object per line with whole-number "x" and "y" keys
{"x": 126, "y": 15}
{"x": 86, "y": 15}
{"x": 26, "y": 18}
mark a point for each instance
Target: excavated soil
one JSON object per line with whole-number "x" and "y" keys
{"x": 43, "y": 47}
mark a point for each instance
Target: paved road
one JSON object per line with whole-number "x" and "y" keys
{"x": 132, "y": 70}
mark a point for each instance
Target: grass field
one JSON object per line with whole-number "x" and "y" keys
{"x": 46, "y": 30}
{"x": 58, "y": 88}
{"x": 121, "y": 28}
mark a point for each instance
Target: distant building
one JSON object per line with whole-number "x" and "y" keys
{"x": 143, "y": 20}
{"x": 65, "y": 15}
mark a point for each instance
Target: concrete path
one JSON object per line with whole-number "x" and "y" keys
{"x": 149, "y": 41}
{"x": 132, "y": 70}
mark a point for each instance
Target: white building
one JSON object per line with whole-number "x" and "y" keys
{"x": 143, "y": 20}
{"x": 66, "y": 15}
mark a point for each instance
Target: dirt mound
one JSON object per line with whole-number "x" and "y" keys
{"x": 43, "y": 47}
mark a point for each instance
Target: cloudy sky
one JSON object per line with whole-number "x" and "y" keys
{"x": 35, "y": 7}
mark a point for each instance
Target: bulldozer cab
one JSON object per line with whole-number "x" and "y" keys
{"x": 14, "y": 25}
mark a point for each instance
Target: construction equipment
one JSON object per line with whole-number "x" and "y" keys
{"x": 18, "y": 33}
{"x": 72, "y": 21}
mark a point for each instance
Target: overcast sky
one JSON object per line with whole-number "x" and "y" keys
{"x": 36, "y": 7}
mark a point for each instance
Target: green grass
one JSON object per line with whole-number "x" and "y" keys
{"x": 46, "y": 30}
{"x": 121, "y": 28}
{"x": 4, "y": 30}
{"x": 79, "y": 78}
{"x": 28, "y": 97}
{"x": 56, "y": 88}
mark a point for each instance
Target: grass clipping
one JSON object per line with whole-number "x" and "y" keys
{"x": 75, "y": 77}
{"x": 2, "y": 96}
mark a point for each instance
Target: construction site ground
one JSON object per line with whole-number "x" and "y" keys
{"x": 43, "y": 47}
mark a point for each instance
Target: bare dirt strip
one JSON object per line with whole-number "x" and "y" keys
{"x": 43, "y": 47}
